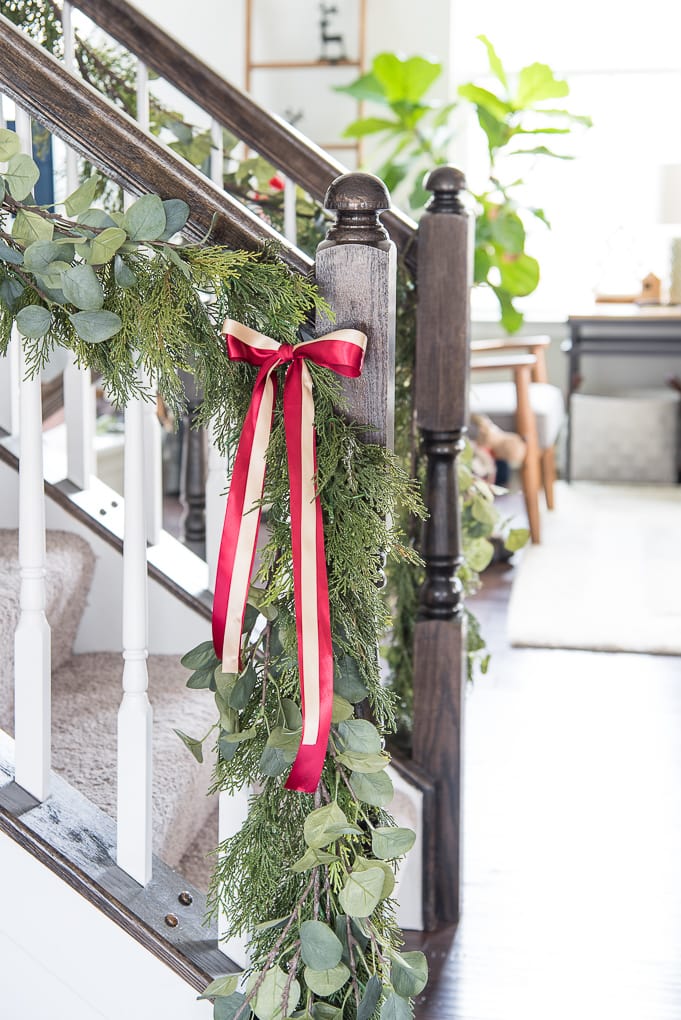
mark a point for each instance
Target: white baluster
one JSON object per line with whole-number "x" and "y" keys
{"x": 135, "y": 713}
{"x": 142, "y": 90}
{"x": 9, "y": 387}
{"x": 217, "y": 155}
{"x": 79, "y": 402}
{"x": 290, "y": 225}
{"x": 153, "y": 471}
{"x": 32, "y": 659}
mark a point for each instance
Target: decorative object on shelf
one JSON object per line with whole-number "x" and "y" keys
{"x": 333, "y": 43}
{"x": 651, "y": 290}
{"x": 669, "y": 212}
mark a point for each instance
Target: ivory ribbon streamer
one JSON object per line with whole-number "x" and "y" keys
{"x": 343, "y": 352}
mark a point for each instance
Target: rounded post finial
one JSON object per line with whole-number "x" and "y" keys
{"x": 357, "y": 199}
{"x": 445, "y": 182}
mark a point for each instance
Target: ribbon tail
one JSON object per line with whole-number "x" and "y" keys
{"x": 240, "y": 529}
{"x": 313, "y": 625}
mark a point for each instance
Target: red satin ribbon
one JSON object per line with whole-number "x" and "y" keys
{"x": 342, "y": 352}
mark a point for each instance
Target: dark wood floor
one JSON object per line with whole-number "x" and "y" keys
{"x": 572, "y": 838}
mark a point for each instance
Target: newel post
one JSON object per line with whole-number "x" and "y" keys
{"x": 442, "y": 369}
{"x": 356, "y": 271}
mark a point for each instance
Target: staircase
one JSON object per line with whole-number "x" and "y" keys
{"x": 67, "y": 827}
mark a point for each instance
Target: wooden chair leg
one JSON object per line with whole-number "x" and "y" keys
{"x": 526, "y": 425}
{"x": 548, "y": 470}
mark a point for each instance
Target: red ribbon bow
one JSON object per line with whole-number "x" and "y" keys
{"x": 343, "y": 352}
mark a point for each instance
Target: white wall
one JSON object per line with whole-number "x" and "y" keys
{"x": 60, "y": 957}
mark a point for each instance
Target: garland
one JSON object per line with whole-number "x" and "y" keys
{"x": 309, "y": 878}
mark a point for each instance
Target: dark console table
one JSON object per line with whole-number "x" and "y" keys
{"x": 612, "y": 330}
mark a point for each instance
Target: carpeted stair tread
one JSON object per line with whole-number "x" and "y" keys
{"x": 87, "y": 695}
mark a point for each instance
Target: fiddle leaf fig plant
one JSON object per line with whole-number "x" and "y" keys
{"x": 516, "y": 121}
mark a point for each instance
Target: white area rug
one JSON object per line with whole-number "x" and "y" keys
{"x": 607, "y": 575}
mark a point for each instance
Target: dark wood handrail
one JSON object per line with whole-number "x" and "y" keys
{"x": 284, "y": 147}
{"x": 115, "y": 144}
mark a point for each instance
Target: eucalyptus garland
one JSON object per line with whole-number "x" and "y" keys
{"x": 309, "y": 878}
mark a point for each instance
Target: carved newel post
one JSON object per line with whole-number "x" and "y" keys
{"x": 442, "y": 369}
{"x": 193, "y": 470}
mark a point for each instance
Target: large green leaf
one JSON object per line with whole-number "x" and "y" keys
{"x": 360, "y": 735}
{"x": 11, "y": 255}
{"x": 395, "y": 1008}
{"x": 537, "y": 82}
{"x": 94, "y": 327}
{"x": 519, "y": 274}
{"x": 34, "y": 320}
{"x": 319, "y": 947}
{"x": 409, "y": 973}
{"x": 325, "y": 825}
{"x": 347, "y": 681}
{"x": 279, "y": 751}
{"x": 367, "y": 86}
{"x": 226, "y": 984}
{"x": 389, "y": 842}
{"x": 21, "y": 174}
{"x": 145, "y": 220}
{"x": 375, "y": 788}
{"x": 516, "y": 539}
{"x": 499, "y": 108}
{"x": 267, "y": 1002}
{"x": 369, "y": 126}
{"x": 370, "y": 999}
{"x": 195, "y": 746}
{"x": 362, "y": 892}
{"x": 478, "y": 553}
{"x": 202, "y": 655}
{"x": 405, "y": 79}
{"x": 9, "y": 144}
{"x": 106, "y": 244}
{"x": 82, "y": 288}
{"x": 29, "y": 227}
{"x": 82, "y": 197}
{"x": 495, "y": 65}
{"x": 326, "y": 982}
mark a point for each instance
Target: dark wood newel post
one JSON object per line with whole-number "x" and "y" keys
{"x": 442, "y": 368}
{"x": 193, "y": 471}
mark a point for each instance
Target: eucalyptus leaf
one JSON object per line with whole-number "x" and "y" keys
{"x": 242, "y": 735}
{"x": 82, "y": 198}
{"x": 10, "y": 255}
{"x": 363, "y": 864}
{"x": 341, "y": 710}
{"x": 94, "y": 327}
{"x": 228, "y": 1008}
{"x": 96, "y": 218}
{"x": 390, "y": 842}
{"x": 179, "y": 262}
{"x": 9, "y": 144}
{"x": 227, "y": 750}
{"x": 106, "y": 244}
{"x": 311, "y": 859}
{"x": 319, "y": 947}
{"x": 267, "y": 1002}
{"x": 275, "y": 922}
{"x": 358, "y": 762}
{"x": 202, "y": 655}
{"x": 40, "y": 254}
{"x": 229, "y": 719}
{"x": 279, "y": 751}
{"x": 195, "y": 746}
{"x": 347, "y": 681}
{"x": 409, "y": 973}
{"x": 360, "y": 735}
{"x": 395, "y": 1008}
{"x": 325, "y": 1011}
{"x": 224, "y": 985}
{"x": 10, "y": 291}
{"x": 290, "y": 715}
{"x": 362, "y": 891}
{"x": 326, "y": 982}
{"x": 29, "y": 227}
{"x": 123, "y": 274}
{"x": 201, "y": 679}
{"x": 374, "y": 788}
{"x": 370, "y": 999}
{"x": 243, "y": 689}
{"x": 326, "y": 824}
{"x": 82, "y": 288}
{"x": 51, "y": 278}
{"x": 177, "y": 214}
{"x": 21, "y": 174}
{"x": 224, "y": 684}
{"x": 34, "y": 320}
{"x": 145, "y": 219}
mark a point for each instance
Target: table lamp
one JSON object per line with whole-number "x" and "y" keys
{"x": 669, "y": 211}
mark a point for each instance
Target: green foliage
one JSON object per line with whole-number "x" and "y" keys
{"x": 513, "y": 117}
